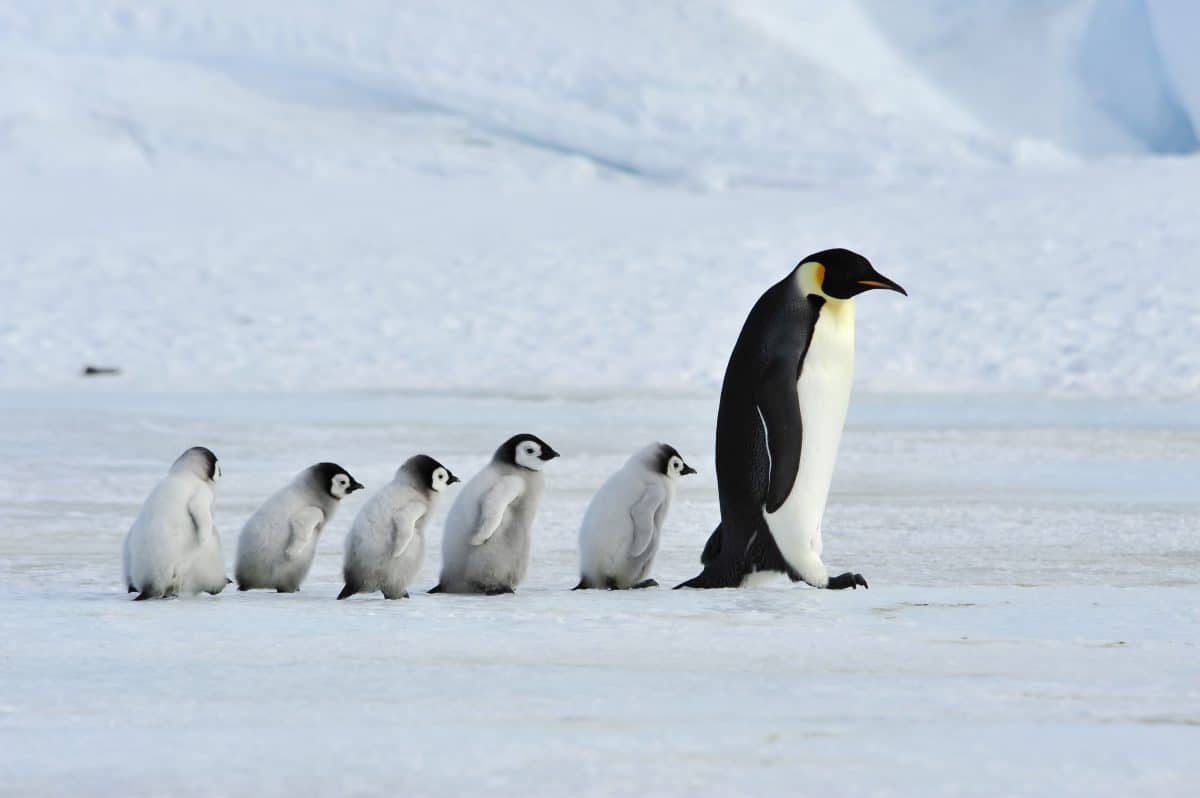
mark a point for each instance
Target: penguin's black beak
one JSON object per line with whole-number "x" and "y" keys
{"x": 877, "y": 280}
{"x": 354, "y": 485}
{"x": 548, "y": 454}
{"x": 687, "y": 469}
{"x": 452, "y": 480}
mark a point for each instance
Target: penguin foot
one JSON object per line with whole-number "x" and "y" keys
{"x": 436, "y": 589}
{"x": 847, "y": 580}
{"x": 132, "y": 589}
{"x": 401, "y": 595}
{"x": 497, "y": 591}
{"x": 645, "y": 583}
{"x": 583, "y": 585}
{"x": 347, "y": 592}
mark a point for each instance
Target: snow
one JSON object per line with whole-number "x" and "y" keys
{"x": 313, "y": 232}
{"x": 1030, "y": 627}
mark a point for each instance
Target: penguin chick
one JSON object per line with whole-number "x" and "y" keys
{"x": 485, "y": 546}
{"x": 623, "y": 523}
{"x": 277, "y": 544}
{"x": 386, "y": 544}
{"x": 173, "y": 547}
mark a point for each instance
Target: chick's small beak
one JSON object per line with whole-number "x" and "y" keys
{"x": 877, "y": 280}
{"x": 354, "y": 485}
{"x": 687, "y": 469}
{"x": 452, "y": 480}
{"x": 548, "y": 454}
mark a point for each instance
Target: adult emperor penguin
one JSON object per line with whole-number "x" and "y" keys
{"x": 485, "y": 546}
{"x": 386, "y": 544}
{"x": 277, "y": 544}
{"x": 783, "y": 405}
{"x": 624, "y": 521}
{"x": 173, "y": 547}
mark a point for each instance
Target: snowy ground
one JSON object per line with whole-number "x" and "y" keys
{"x": 1031, "y": 627}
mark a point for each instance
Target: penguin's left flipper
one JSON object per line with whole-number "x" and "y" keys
{"x": 779, "y": 404}
{"x": 843, "y": 581}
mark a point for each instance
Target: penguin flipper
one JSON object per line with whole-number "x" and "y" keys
{"x": 778, "y": 404}
{"x": 347, "y": 591}
{"x": 132, "y": 589}
{"x": 583, "y": 584}
{"x": 437, "y": 588}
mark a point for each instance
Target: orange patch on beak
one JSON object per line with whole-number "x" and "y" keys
{"x": 873, "y": 284}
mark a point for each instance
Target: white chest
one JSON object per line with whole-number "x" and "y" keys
{"x": 823, "y": 390}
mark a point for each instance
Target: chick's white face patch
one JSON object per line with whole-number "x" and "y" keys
{"x": 529, "y": 456}
{"x": 441, "y": 478}
{"x": 338, "y": 488}
{"x": 674, "y": 467}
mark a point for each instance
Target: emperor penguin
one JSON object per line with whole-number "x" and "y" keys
{"x": 624, "y": 521}
{"x": 485, "y": 545}
{"x": 173, "y": 548}
{"x": 386, "y": 544}
{"x": 783, "y": 405}
{"x": 277, "y": 545}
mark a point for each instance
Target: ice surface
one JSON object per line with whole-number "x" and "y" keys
{"x": 1031, "y": 627}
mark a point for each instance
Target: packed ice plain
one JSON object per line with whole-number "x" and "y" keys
{"x": 354, "y": 235}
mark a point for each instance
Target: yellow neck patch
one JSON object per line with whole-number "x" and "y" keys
{"x": 812, "y": 276}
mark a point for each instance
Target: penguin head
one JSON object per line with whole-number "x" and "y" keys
{"x": 429, "y": 473}
{"x": 525, "y": 451}
{"x": 665, "y": 459}
{"x": 841, "y": 274}
{"x": 334, "y": 480}
{"x": 199, "y": 461}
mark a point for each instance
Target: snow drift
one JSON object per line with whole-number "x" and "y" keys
{"x": 548, "y": 197}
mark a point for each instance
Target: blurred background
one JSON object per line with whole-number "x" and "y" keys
{"x": 585, "y": 198}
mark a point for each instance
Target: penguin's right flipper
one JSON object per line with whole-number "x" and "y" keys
{"x": 437, "y": 588}
{"x": 778, "y": 403}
